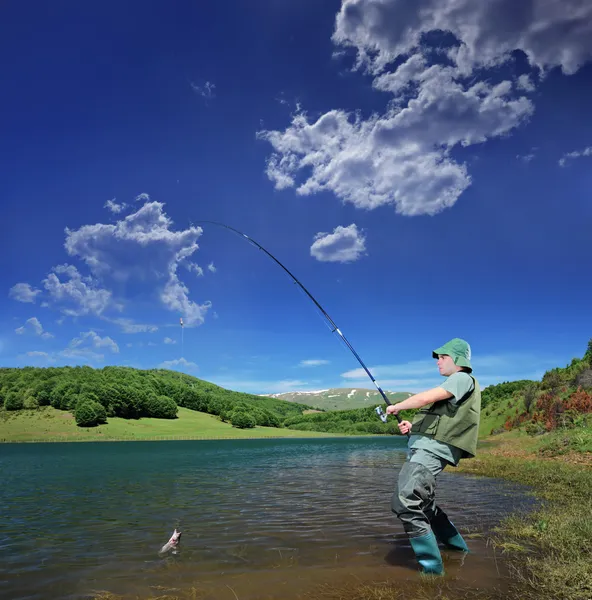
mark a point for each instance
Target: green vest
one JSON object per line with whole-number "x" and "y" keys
{"x": 457, "y": 425}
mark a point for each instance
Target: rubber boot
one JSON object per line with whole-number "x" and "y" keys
{"x": 447, "y": 533}
{"x": 427, "y": 553}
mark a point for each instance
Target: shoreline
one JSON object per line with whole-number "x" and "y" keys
{"x": 190, "y": 438}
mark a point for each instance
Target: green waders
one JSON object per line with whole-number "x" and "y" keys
{"x": 424, "y": 521}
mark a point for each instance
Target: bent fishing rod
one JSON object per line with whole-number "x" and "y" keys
{"x": 378, "y": 409}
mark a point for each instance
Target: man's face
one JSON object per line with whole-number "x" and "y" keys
{"x": 446, "y": 365}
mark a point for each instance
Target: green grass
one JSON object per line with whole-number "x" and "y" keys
{"x": 494, "y": 416}
{"x": 50, "y": 424}
{"x": 550, "y": 550}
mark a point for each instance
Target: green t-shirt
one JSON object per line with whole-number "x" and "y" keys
{"x": 458, "y": 384}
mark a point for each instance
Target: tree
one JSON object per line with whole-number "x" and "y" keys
{"x": 161, "y": 407}
{"x": 530, "y": 394}
{"x": 13, "y": 401}
{"x": 89, "y": 414}
{"x": 242, "y": 420}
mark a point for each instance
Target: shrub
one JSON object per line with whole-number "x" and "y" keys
{"x": 161, "y": 407}
{"x": 13, "y": 401}
{"x": 89, "y": 414}
{"x": 242, "y": 419}
{"x": 30, "y": 403}
{"x": 533, "y": 429}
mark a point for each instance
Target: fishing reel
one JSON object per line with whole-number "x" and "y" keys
{"x": 381, "y": 414}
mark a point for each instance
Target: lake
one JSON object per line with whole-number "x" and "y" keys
{"x": 260, "y": 518}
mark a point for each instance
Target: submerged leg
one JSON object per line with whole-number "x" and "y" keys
{"x": 446, "y": 532}
{"x": 415, "y": 493}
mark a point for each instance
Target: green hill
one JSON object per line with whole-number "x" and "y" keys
{"x": 562, "y": 400}
{"x": 341, "y": 398}
{"x": 93, "y": 396}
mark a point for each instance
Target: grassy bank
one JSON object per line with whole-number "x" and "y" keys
{"x": 550, "y": 550}
{"x": 48, "y": 424}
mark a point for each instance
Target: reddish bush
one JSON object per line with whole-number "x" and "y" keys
{"x": 580, "y": 401}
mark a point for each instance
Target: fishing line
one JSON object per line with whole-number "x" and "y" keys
{"x": 329, "y": 321}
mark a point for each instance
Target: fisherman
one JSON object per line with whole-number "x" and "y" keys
{"x": 443, "y": 432}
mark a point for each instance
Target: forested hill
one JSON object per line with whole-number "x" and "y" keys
{"x": 562, "y": 399}
{"x": 94, "y": 395}
{"x": 133, "y": 393}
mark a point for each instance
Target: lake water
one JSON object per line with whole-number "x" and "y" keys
{"x": 260, "y": 518}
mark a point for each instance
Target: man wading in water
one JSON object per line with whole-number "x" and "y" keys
{"x": 443, "y": 431}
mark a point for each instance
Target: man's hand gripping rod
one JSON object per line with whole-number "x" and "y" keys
{"x": 382, "y": 415}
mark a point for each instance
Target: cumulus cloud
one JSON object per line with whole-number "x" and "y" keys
{"x": 345, "y": 244}
{"x": 89, "y": 345}
{"x": 142, "y": 248}
{"x": 114, "y": 207}
{"x": 23, "y": 292}
{"x": 168, "y": 340}
{"x": 212, "y": 268}
{"x": 74, "y": 294}
{"x": 35, "y": 326}
{"x": 432, "y": 58}
{"x": 575, "y": 154}
{"x": 550, "y": 34}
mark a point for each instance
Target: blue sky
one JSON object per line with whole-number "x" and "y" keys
{"x": 426, "y": 175}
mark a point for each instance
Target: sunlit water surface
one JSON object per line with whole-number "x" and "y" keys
{"x": 260, "y": 518}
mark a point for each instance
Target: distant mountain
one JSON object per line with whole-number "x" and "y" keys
{"x": 341, "y": 398}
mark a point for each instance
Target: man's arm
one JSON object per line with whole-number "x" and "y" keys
{"x": 419, "y": 400}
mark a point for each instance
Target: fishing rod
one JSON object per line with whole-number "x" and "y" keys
{"x": 378, "y": 409}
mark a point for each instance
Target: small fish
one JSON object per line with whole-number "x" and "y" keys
{"x": 172, "y": 543}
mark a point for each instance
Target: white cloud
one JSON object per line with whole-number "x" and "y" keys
{"x": 526, "y": 158}
{"x": 345, "y": 244}
{"x": 313, "y": 362}
{"x": 76, "y": 295}
{"x": 178, "y": 364}
{"x": 525, "y": 83}
{"x": 413, "y": 368}
{"x": 92, "y": 339}
{"x": 23, "y": 292}
{"x": 443, "y": 97}
{"x": 168, "y": 340}
{"x": 37, "y": 354}
{"x": 114, "y": 207}
{"x": 211, "y": 268}
{"x": 35, "y": 325}
{"x": 254, "y": 386}
{"x": 130, "y": 326}
{"x": 86, "y": 345}
{"x": 143, "y": 197}
{"x": 205, "y": 91}
{"x": 418, "y": 375}
{"x": 191, "y": 266}
{"x": 142, "y": 248}
{"x": 45, "y": 357}
{"x": 576, "y": 154}
{"x": 551, "y": 34}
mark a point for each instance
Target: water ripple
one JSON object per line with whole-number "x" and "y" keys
{"x": 100, "y": 512}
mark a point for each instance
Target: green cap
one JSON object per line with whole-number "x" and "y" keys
{"x": 459, "y": 350}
